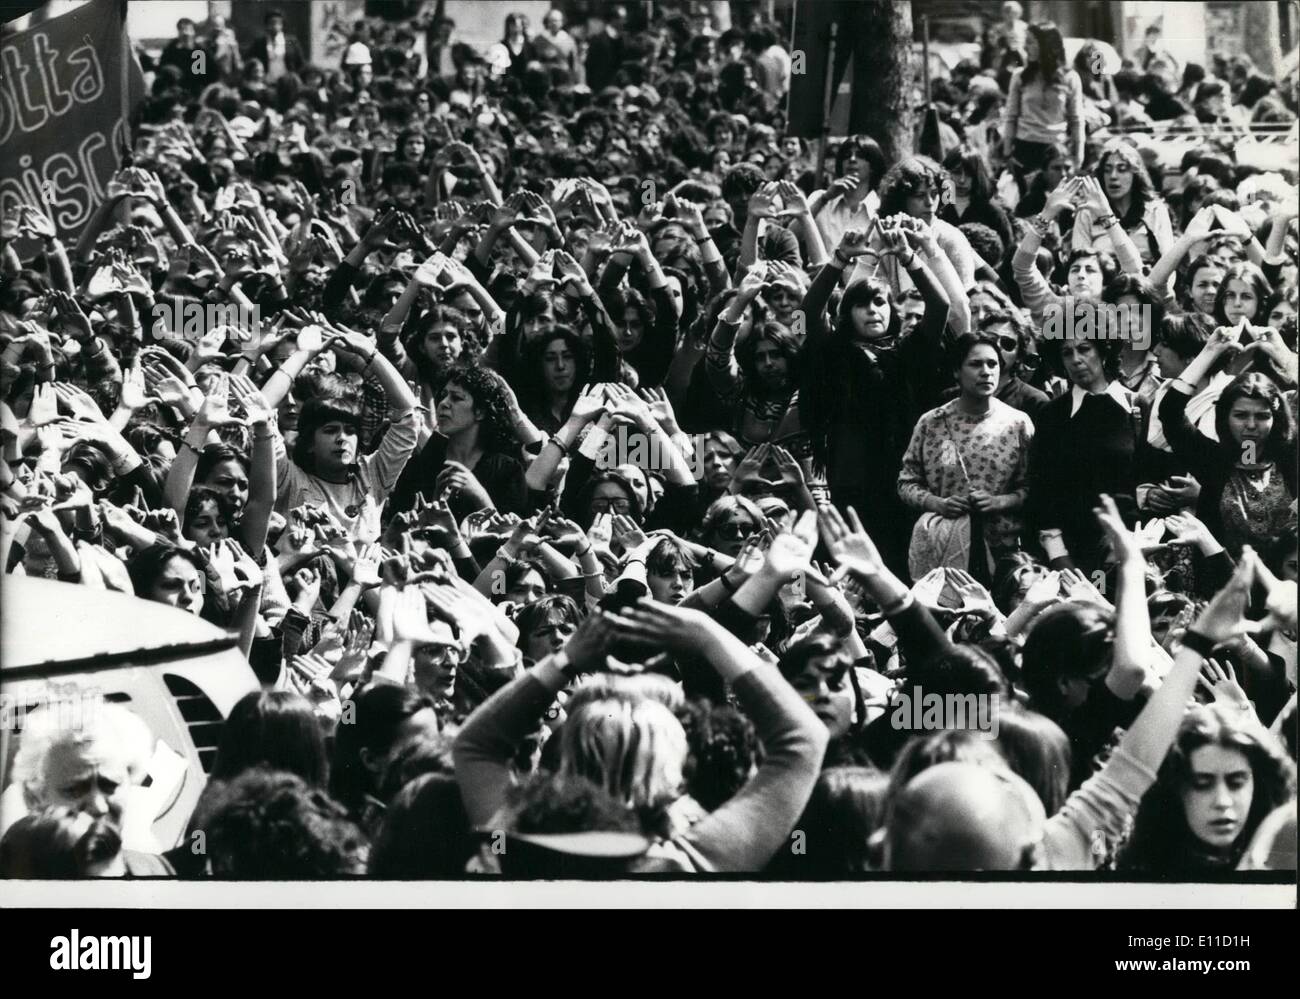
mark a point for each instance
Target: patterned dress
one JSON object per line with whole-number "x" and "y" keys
{"x": 953, "y": 452}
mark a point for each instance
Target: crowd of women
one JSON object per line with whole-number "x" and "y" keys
{"x": 587, "y": 475}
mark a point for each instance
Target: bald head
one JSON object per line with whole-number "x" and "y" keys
{"x": 964, "y": 817}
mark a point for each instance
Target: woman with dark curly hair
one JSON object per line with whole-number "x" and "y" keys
{"x": 473, "y": 457}
{"x": 271, "y": 824}
{"x": 553, "y": 369}
{"x": 1224, "y": 774}
{"x": 1133, "y": 200}
{"x": 916, "y": 187}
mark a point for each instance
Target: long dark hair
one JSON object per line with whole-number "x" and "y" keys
{"x": 1161, "y": 839}
{"x": 532, "y": 381}
{"x": 785, "y": 341}
{"x": 1253, "y": 276}
{"x": 1051, "y": 63}
{"x": 379, "y": 714}
{"x": 426, "y": 832}
{"x": 1143, "y": 191}
{"x": 1253, "y": 385}
{"x": 970, "y": 162}
{"x": 276, "y": 729}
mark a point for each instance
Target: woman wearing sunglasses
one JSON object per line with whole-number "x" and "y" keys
{"x": 730, "y": 522}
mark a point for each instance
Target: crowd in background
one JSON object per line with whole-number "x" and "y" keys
{"x": 588, "y": 473}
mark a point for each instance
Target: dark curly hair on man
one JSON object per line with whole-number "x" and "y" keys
{"x": 271, "y": 824}
{"x": 724, "y": 750}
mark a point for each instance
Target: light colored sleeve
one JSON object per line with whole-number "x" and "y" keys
{"x": 1099, "y": 811}
{"x": 960, "y": 253}
{"x": 288, "y": 476}
{"x": 1161, "y": 225}
{"x": 913, "y": 485}
{"x": 1035, "y": 292}
{"x": 384, "y": 466}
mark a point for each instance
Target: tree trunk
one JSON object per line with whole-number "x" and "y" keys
{"x": 884, "y": 104}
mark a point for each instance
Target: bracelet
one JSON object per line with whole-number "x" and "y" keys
{"x": 586, "y": 551}
{"x": 1202, "y": 645}
{"x": 370, "y": 360}
{"x": 911, "y": 261}
{"x": 703, "y": 239}
{"x": 563, "y": 448}
{"x": 727, "y": 584}
{"x": 1105, "y": 222}
{"x": 841, "y": 259}
{"x": 187, "y": 444}
{"x": 1040, "y": 223}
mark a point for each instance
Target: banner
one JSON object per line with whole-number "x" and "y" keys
{"x": 63, "y": 84}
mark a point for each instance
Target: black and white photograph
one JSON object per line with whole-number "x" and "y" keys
{"x": 763, "y": 446}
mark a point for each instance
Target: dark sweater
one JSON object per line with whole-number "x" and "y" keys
{"x": 1072, "y": 461}
{"x": 1211, "y": 463}
{"x": 502, "y": 475}
{"x": 860, "y": 406}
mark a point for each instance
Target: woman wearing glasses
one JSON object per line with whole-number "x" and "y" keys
{"x": 729, "y": 523}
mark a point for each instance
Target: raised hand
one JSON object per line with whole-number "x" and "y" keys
{"x": 365, "y": 568}
{"x": 752, "y": 283}
{"x": 849, "y": 543}
{"x": 679, "y": 630}
{"x": 790, "y": 550}
{"x": 788, "y": 468}
{"x": 78, "y": 402}
{"x": 763, "y": 203}
{"x": 601, "y": 531}
{"x": 250, "y": 397}
{"x": 133, "y": 395}
{"x": 215, "y": 411}
{"x": 627, "y": 533}
{"x": 1280, "y": 601}
{"x": 1044, "y": 590}
{"x": 1224, "y": 619}
{"x": 1125, "y": 544}
{"x": 750, "y": 467}
{"x": 853, "y": 243}
{"x": 1220, "y": 682}
{"x": 1076, "y": 586}
{"x": 44, "y": 409}
{"x": 36, "y": 223}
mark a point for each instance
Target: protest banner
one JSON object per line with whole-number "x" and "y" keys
{"x": 66, "y": 86}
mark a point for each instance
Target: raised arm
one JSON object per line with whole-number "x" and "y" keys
{"x": 743, "y": 834}
{"x": 1036, "y": 293}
